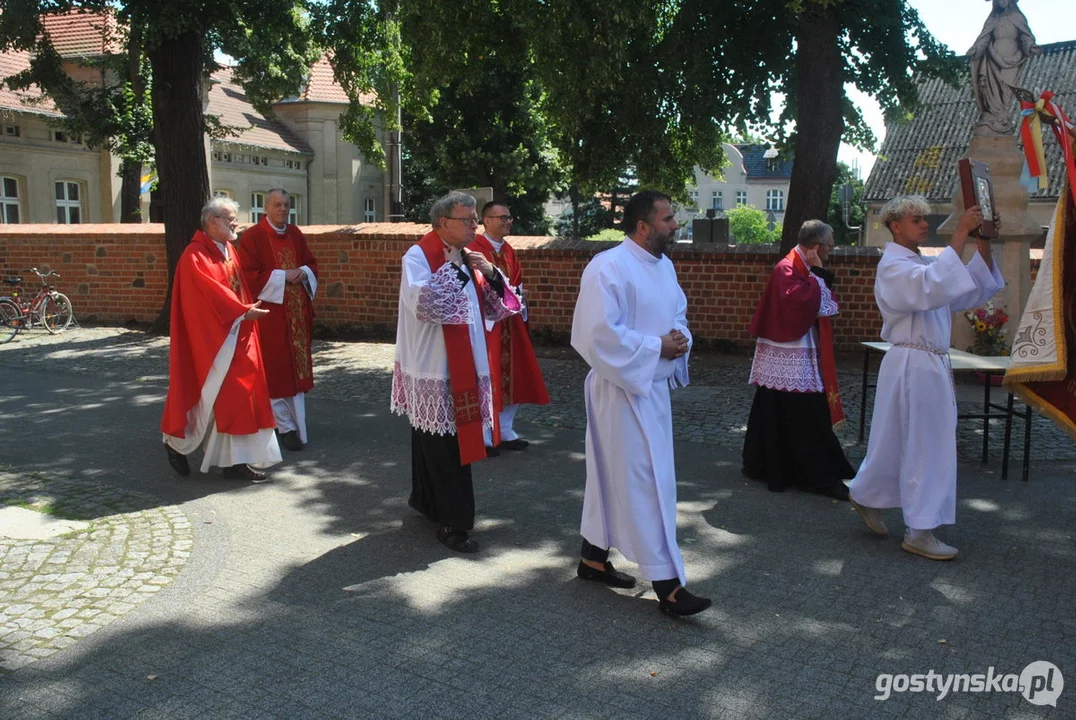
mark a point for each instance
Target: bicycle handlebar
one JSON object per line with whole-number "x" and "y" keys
{"x": 42, "y": 275}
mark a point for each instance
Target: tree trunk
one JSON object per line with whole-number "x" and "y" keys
{"x": 131, "y": 172}
{"x": 130, "y": 192}
{"x": 819, "y": 122}
{"x": 179, "y": 127}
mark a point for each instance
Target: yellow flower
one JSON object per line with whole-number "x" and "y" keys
{"x": 980, "y": 326}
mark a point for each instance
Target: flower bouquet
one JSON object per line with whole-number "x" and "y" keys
{"x": 989, "y": 337}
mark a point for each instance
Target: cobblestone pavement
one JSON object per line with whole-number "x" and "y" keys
{"x": 712, "y": 410}
{"x": 320, "y": 595}
{"x": 56, "y": 591}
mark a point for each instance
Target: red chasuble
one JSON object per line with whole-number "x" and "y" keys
{"x": 513, "y": 366}
{"x": 787, "y": 311}
{"x": 286, "y": 331}
{"x": 208, "y": 294}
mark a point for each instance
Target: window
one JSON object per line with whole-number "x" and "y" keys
{"x": 695, "y": 199}
{"x": 218, "y": 155}
{"x": 293, "y": 214}
{"x": 771, "y": 165}
{"x": 68, "y": 203}
{"x": 741, "y": 198}
{"x": 227, "y": 157}
{"x": 369, "y": 213}
{"x": 775, "y": 200}
{"x": 59, "y": 136}
{"x": 257, "y": 206}
{"x": 265, "y": 161}
{"x": 9, "y": 201}
{"x": 716, "y": 201}
{"x": 223, "y": 194}
{"x": 11, "y": 130}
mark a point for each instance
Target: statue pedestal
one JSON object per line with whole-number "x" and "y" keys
{"x": 1011, "y": 251}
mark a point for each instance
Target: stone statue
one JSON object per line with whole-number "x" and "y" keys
{"x": 1002, "y": 47}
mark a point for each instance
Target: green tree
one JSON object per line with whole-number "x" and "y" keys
{"x": 809, "y": 50}
{"x": 488, "y": 134}
{"x": 748, "y": 225}
{"x": 583, "y": 220}
{"x": 857, "y": 212}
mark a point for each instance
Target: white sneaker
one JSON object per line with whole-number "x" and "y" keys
{"x": 927, "y": 545}
{"x": 872, "y": 517}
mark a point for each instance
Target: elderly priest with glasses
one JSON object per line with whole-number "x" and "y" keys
{"x": 441, "y": 379}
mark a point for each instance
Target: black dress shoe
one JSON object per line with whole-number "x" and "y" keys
{"x": 178, "y": 461}
{"x": 838, "y": 491}
{"x": 609, "y": 576}
{"x": 492, "y": 451}
{"x": 290, "y": 440}
{"x": 685, "y": 604}
{"x": 457, "y": 540}
{"x": 244, "y": 472}
{"x": 517, "y": 444}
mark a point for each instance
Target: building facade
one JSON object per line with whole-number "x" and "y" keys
{"x": 751, "y": 178}
{"x": 46, "y": 176}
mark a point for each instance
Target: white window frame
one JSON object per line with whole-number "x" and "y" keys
{"x": 65, "y": 205}
{"x": 257, "y": 206}
{"x": 775, "y": 200}
{"x": 741, "y": 198}
{"x": 695, "y": 199}
{"x": 369, "y": 210}
{"x": 717, "y": 200}
{"x": 296, "y": 209}
{"x": 222, "y": 193}
{"x": 12, "y": 131}
{"x": 7, "y": 202}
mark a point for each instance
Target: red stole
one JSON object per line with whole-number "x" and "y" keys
{"x": 513, "y": 365}
{"x": 787, "y": 311}
{"x": 462, "y": 376}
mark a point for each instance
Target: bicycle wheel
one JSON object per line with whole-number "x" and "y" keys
{"x": 56, "y": 313}
{"x": 10, "y": 320}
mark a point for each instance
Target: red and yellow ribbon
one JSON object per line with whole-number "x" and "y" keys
{"x": 1031, "y": 134}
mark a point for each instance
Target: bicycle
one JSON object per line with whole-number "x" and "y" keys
{"x": 48, "y": 307}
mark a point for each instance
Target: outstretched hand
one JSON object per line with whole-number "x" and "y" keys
{"x": 255, "y": 312}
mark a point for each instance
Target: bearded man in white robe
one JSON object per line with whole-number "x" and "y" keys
{"x": 630, "y": 326}
{"x": 911, "y": 454}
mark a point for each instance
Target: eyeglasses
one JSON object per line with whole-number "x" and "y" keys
{"x": 502, "y": 218}
{"x": 465, "y": 220}
{"x": 230, "y": 220}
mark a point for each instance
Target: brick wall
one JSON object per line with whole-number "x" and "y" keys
{"x": 118, "y": 273}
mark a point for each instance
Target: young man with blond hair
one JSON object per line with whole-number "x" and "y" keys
{"x": 911, "y": 453}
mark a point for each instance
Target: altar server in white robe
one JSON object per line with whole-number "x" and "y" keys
{"x": 911, "y": 453}
{"x": 630, "y": 326}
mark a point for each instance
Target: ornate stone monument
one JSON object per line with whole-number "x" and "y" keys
{"x": 1001, "y": 49}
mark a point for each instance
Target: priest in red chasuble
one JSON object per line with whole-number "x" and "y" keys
{"x": 517, "y": 379}
{"x": 282, "y": 273}
{"x": 441, "y": 379}
{"x": 790, "y": 440}
{"x": 217, "y": 394}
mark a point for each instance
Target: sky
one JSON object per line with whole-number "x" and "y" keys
{"x": 957, "y": 23}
